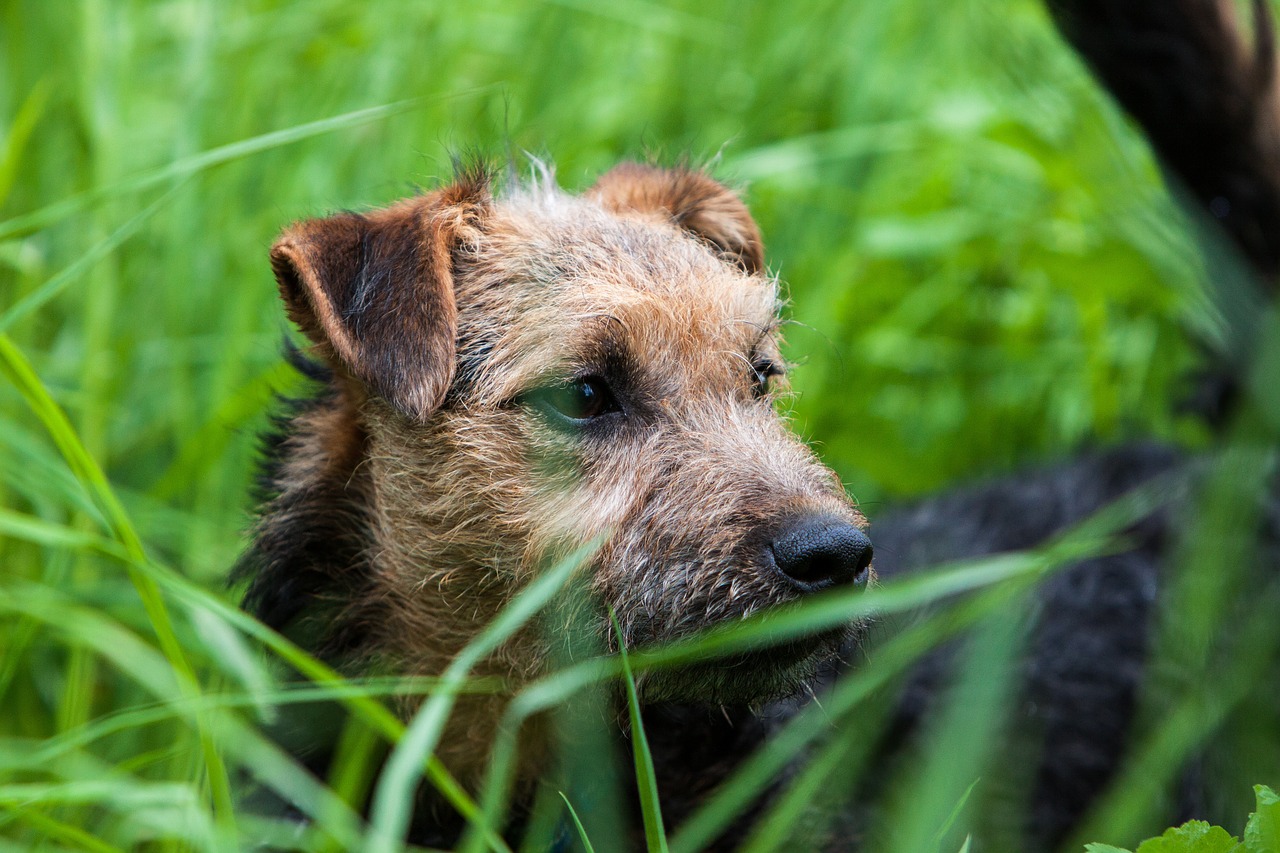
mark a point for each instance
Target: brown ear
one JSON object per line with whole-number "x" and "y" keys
{"x": 692, "y": 200}
{"x": 375, "y": 291}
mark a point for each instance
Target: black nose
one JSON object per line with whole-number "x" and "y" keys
{"x": 820, "y": 552}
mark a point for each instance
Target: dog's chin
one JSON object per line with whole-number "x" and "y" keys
{"x": 752, "y": 677}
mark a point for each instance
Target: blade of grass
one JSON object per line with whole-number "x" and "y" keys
{"x": 99, "y": 792}
{"x": 18, "y": 370}
{"x": 655, "y": 17}
{"x": 47, "y": 534}
{"x": 354, "y": 765}
{"x": 375, "y": 713}
{"x": 766, "y": 764}
{"x": 30, "y": 303}
{"x": 394, "y": 795}
{"x": 196, "y": 163}
{"x": 538, "y": 697}
{"x": 577, "y": 822}
{"x": 778, "y": 827}
{"x": 956, "y": 811}
{"x": 24, "y": 124}
{"x": 61, "y": 831}
{"x": 959, "y": 744}
{"x": 1092, "y": 537}
{"x": 142, "y": 716}
{"x": 802, "y": 153}
{"x": 140, "y": 662}
{"x": 1137, "y": 790}
{"x": 646, "y": 780}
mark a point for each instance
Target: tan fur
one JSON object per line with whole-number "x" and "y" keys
{"x": 652, "y": 279}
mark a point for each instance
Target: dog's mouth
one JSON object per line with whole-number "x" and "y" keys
{"x": 755, "y": 675}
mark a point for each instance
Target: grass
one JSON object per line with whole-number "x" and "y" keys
{"x": 984, "y": 270}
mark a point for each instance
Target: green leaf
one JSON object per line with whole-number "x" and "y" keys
{"x": 1262, "y": 833}
{"x": 1194, "y": 836}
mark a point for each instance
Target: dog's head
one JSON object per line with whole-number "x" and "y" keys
{"x": 533, "y": 371}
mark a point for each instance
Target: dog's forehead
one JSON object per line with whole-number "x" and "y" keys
{"x": 562, "y": 278}
{"x": 568, "y": 240}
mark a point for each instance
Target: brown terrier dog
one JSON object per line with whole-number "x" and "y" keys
{"x": 511, "y": 376}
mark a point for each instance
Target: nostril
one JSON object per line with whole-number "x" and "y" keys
{"x": 821, "y": 552}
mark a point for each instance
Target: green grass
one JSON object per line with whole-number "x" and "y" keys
{"x": 984, "y": 271}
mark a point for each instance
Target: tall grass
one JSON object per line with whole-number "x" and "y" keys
{"x": 983, "y": 266}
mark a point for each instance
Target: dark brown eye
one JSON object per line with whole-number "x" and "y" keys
{"x": 763, "y": 372}
{"x": 576, "y": 402}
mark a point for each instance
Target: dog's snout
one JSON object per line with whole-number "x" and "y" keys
{"x": 817, "y": 553}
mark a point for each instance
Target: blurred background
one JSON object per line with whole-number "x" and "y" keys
{"x": 983, "y": 266}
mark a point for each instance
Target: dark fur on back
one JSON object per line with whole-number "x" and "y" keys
{"x": 1206, "y": 101}
{"x": 1090, "y": 625}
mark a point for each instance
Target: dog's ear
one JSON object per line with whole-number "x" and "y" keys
{"x": 374, "y": 291}
{"x": 692, "y": 200}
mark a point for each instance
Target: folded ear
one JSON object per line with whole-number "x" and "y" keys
{"x": 692, "y": 200}
{"x": 375, "y": 291}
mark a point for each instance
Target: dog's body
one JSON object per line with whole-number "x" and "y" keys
{"x": 1207, "y": 100}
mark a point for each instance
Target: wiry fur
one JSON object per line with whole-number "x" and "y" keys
{"x": 427, "y": 484}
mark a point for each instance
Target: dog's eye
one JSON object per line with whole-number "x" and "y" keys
{"x": 577, "y": 401}
{"x": 763, "y": 372}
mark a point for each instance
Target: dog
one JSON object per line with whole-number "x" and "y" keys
{"x": 508, "y": 376}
